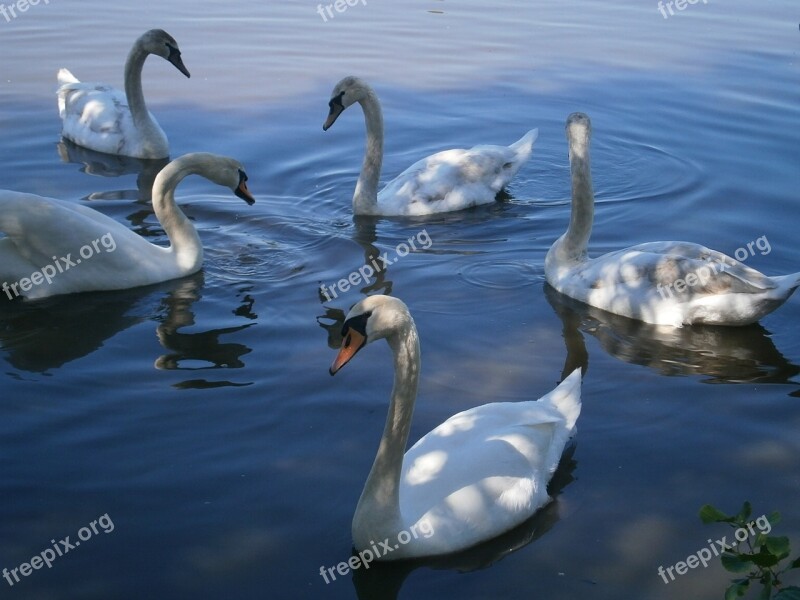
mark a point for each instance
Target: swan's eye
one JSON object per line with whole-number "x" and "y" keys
{"x": 336, "y": 101}
{"x": 358, "y": 324}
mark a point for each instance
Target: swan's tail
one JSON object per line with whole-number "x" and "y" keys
{"x": 523, "y": 147}
{"x": 787, "y": 283}
{"x": 566, "y": 398}
{"x": 64, "y": 77}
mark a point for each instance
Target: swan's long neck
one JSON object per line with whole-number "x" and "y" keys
{"x": 133, "y": 86}
{"x": 184, "y": 241}
{"x": 573, "y": 245}
{"x": 365, "y": 199}
{"x": 379, "y": 507}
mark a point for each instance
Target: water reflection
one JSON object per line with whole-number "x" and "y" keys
{"x": 365, "y": 235}
{"x": 724, "y": 354}
{"x": 110, "y": 165}
{"x": 43, "y": 336}
{"x": 384, "y": 580}
{"x": 186, "y": 350}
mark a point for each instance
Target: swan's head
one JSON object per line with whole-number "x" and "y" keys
{"x": 346, "y": 93}
{"x": 579, "y": 133}
{"x": 160, "y": 43}
{"x": 222, "y": 170}
{"x": 374, "y": 318}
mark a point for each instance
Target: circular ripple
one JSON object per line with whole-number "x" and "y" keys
{"x": 501, "y": 274}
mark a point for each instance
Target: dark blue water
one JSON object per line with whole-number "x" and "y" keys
{"x": 198, "y": 415}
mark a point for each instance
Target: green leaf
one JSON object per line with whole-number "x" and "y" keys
{"x": 762, "y": 559}
{"x": 774, "y": 517}
{"x": 795, "y": 564}
{"x": 737, "y": 563}
{"x": 737, "y": 589}
{"x": 790, "y": 593}
{"x": 745, "y": 513}
{"x": 711, "y": 514}
{"x": 778, "y": 546}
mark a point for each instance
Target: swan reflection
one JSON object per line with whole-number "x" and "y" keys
{"x": 724, "y": 354}
{"x": 110, "y": 165}
{"x": 365, "y": 235}
{"x": 43, "y": 336}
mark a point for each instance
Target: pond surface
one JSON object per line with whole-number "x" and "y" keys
{"x": 199, "y": 416}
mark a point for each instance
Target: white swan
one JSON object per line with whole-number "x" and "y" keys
{"x": 663, "y": 283}
{"x": 104, "y": 119}
{"x": 55, "y": 247}
{"x": 477, "y": 475}
{"x": 446, "y": 181}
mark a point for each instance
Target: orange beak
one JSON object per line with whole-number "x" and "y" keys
{"x": 352, "y": 343}
{"x": 244, "y": 193}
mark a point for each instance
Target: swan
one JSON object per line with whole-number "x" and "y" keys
{"x": 445, "y": 181}
{"x": 54, "y": 247}
{"x": 662, "y": 283}
{"x": 104, "y": 119}
{"x": 475, "y": 476}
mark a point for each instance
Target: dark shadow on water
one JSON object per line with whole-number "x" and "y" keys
{"x": 384, "y": 580}
{"x": 723, "y": 354}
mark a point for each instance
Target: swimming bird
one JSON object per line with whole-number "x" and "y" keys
{"x": 445, "y": 181}
{"x": 662, "y": 283}
{"x": 54, "y": 247}
{"x": 480, "y": 473}
{"x": 102, "y": 118}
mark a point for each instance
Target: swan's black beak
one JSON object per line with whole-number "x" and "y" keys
{"x": 336, "y": 108}
{"x": 353, "y": 342}
{"x": 175, "y": 58}
{"x": 242, "y": 191}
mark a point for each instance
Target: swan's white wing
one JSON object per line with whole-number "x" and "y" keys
{"x": 45, "y": 231}
{"x": 485, "y": 470}
{"x": 663, "y": 263}
{"x": 454, "y": 179}
{"x": 97, "y": 116}
{"x": 672, "y": 283}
